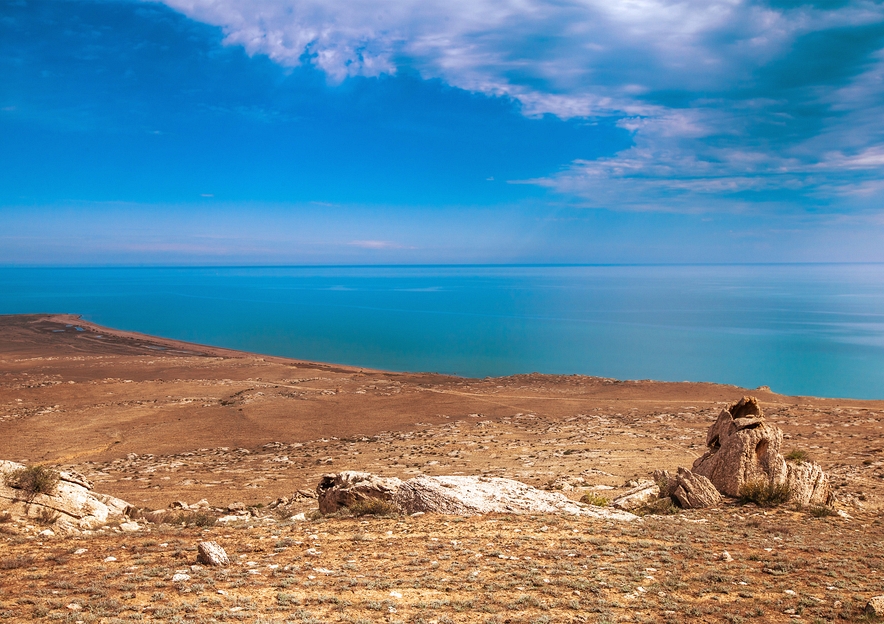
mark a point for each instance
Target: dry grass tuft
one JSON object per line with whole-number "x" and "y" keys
{"x": 764, "y": 493}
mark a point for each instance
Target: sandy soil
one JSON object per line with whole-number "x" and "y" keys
{"x": 153, "y": 421}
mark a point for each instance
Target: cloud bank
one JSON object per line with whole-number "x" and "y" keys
{"x": 730, "y": 102}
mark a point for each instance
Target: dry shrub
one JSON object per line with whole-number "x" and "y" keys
{"x": 822, "y": 512}
{"x": 46, "y": 516}
{"x": 660, "y": 507}
{"x": 33, "y": 480}
{"x": 373, "y": 507}
{"x": 13, "y": 563}
{"x": 190, "y": 518}
{"x": 764, "y": 493}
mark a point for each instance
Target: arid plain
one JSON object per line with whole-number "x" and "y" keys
{"x": 154, "y": 421}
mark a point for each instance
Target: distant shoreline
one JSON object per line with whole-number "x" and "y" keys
{"x": 182, "y": 347}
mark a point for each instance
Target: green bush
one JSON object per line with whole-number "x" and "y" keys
{"x": 798, "y": 456}
{"x": 591, "y": 498}
{"x": 764, "y": 493}
{"x": 33, "y": 480}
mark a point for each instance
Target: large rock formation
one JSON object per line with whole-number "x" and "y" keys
{"x": 743, "y": 448}
{"x": 456, "y": 495}
{"x": 71, "y": 506}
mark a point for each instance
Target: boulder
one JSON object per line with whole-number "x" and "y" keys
{"x": 693, "y": 491}
{"x": 808, "y": 484}
{"x": 72, "y": 505}
{"x": 211, "y": 553}
{"x": 639, "y": 496}
{"x": 875, "y": 606}
{"x": 347, "y": 488}
{"x": 455, "y": 495}
{"x": 469, "y": 496}
{"x": 742, "y": 448}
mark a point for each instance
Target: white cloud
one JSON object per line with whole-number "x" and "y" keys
{"x": 583, "y": 58}
{"x": 573, "y": 57}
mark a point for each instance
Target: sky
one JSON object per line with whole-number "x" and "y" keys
{"x": 440, "y": 131}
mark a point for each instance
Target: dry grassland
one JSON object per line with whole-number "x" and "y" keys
{"x": 153, "y": 421}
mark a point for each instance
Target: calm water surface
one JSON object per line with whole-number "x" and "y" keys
{"x": 801, "y": 329}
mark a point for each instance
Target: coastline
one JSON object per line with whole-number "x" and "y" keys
{"x": 76, "y": 400}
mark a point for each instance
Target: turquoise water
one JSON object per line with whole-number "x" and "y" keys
{"x": 801, "y": 329}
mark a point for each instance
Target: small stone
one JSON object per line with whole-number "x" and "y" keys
{"x": 80, "y": 551}
{"x": 130, "y": 527}
{"x": 726, "y": 556}
{"x": 298, "y": 517}
{"x": 73, "y": 606}
{"x": 47, "y": 533}
{"x": 211, "y": 553}
{"x": 180, "y": 577}
{"x": 110, "y": 559}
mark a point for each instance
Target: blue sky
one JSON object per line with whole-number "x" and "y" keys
{"x": 323, "y": 131}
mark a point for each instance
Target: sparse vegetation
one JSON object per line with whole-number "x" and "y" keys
{"x": 660, "y": 507}
{"x": 764, "y": 493}
{"x": 191, "y": 518}
{"x": 798, "y": 456}
{"x": 374, "y": 507}
{"x": 18, "y": 561}
{"x": 46, "y": 516}
{"x": 822, "y": 512}
{"x": 591, "y": 498}
{"x": 33, "y": 480}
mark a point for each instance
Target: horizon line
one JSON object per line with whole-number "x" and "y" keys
{"x": 430, "y": 265}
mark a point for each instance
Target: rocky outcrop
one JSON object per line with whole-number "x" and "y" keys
{"x": 639, "y": 496}
{"x": 71, "y": 506}
{"x": 694, "y": 491}
{"x": 455, "y": 495}
{"x": 350, "y": 487}
{"x": 742, "y": 448}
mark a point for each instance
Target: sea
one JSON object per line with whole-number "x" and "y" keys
{"x": 802, "y": 329}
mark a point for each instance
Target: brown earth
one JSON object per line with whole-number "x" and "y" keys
{"x": 152, "y": 421}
